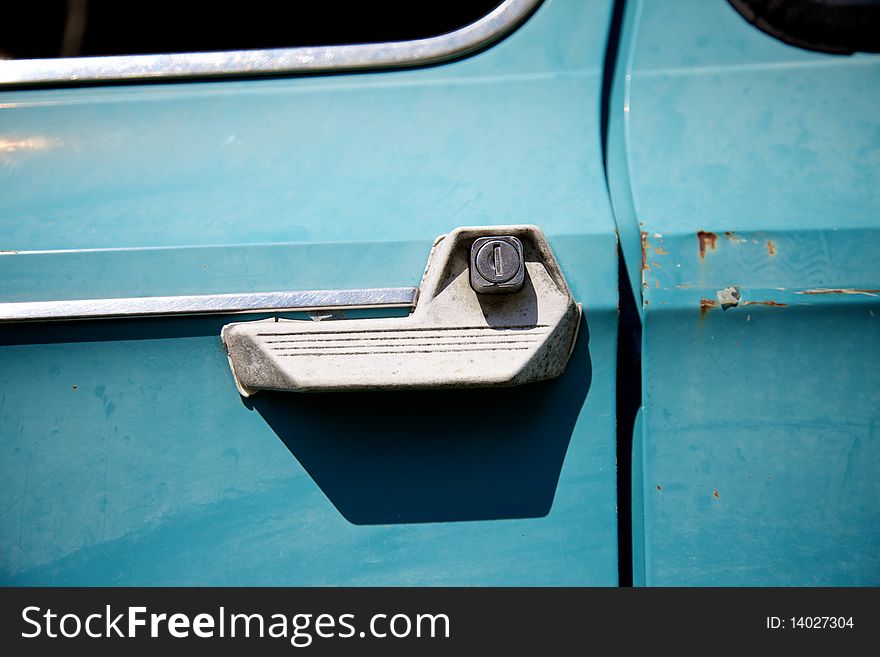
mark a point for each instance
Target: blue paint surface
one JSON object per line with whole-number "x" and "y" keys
{"x": 126, "y": 455}
{"x": 757, "y": 454}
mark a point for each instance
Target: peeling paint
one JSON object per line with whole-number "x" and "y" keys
{"x": 729, "y": 297}
{"x": 870, "y": 293}
{"x": 645, "y": 267}
{"x": 771, "y": 248}
{"x": 707, "y": 240}
{"x": 730, "y": 235}
{"x": 773, "y": 304}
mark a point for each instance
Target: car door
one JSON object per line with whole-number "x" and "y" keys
{"x": 744, "y": 176}
{"x": 129, "y": 457}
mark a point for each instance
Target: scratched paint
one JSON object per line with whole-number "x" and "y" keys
{"x": 871, "y": 293}
{"x": 645, "y": 266}
{"x": 771, "y": 304}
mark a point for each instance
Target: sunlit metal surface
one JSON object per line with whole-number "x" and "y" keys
{"x": 36, "y": 143}
{"x": 418, "y": 52}
{"x": 388, "y": 297}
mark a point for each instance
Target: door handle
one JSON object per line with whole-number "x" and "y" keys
{"x": 493, "y": 309}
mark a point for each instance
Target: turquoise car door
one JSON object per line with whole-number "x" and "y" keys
{"x": 128, "y": 455}
{"x": 744, "y": 174}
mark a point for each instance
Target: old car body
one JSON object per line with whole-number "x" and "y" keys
{"x": 688, "y": 171}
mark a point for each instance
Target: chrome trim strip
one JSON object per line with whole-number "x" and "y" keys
{"x": 418, "y": 52}
{"x": 31, "y": 311}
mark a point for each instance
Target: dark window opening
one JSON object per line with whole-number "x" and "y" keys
{"x": 40, "y": 29}
{"x": 833, "y": 26}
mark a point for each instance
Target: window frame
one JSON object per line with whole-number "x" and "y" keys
{"x": 276, "y": 61}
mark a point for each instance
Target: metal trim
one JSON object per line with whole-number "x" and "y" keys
{"x": 497, "y": 23}
{"x": 31, "y": 311}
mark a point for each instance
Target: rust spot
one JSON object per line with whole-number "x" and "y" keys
{"x": 771, "y": 248}
{"x": 715, "y": 494}
{"x": 729, "y": 234}
{"x": 659, "y": 250}
{"x": 75, "y": 387}
{"x": 773, "y": 304}
{"x": 659, "y": 487}
{"x": 706, "y": 305}
{"x": 706, "y": 239}
{"x": 870, "y": 293}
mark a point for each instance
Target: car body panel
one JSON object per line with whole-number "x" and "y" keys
{"x": 128, "y": 456}
{"x": 742, "y": 166}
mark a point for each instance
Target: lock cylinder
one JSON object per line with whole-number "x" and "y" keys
{"x": 497, "y": 265}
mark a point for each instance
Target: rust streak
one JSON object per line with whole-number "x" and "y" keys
{"x": 771, "y": 247}
{"x": 774, "y": 304}
{"x": 706, "y": 239}
{"x": 706, "y": 305}
{"x": 645, "y": 266}
{"x": 870, "y": 293}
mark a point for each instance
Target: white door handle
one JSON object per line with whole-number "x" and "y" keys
{"x": 493, "y": 310}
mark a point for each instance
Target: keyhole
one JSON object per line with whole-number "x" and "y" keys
{"x": 497, "y": 261}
